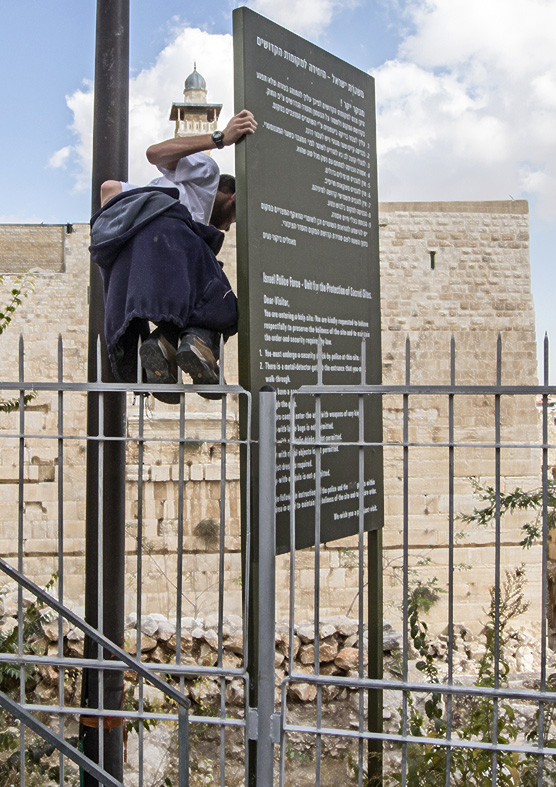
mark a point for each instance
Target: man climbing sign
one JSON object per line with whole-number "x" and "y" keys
{"x": 156, "y": 247}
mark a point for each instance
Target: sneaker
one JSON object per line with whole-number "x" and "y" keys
{"x": 157, "y": 368}
{"x": 196, "y": 357}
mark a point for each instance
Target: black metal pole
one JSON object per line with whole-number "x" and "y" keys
{"x": 110, "y": 157}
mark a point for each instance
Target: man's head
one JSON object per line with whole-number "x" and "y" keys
{"x": 224, "y": 208}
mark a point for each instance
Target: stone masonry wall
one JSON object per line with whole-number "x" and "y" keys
{"x": 479, "y": 286}
{"x": 21, "y": 243}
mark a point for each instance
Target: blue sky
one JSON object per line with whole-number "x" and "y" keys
{"x": 466, "y": 93}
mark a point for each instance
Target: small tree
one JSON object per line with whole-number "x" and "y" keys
{"x": 473, "y": 717}
{"x": 531, "y": 501}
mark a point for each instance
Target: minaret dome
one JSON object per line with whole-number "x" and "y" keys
{"x": 195, "y": 81}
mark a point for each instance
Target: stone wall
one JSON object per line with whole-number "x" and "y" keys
{"x": 478, "y": 288}
{"x": 42, "y": 246}
{"x": 458, "y": 269}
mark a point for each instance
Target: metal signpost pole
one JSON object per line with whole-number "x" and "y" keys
{"x": 105, "y": 525}
{"x": 266, "y": 564}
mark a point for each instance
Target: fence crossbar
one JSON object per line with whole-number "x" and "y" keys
{"x": 426, "y": 688}
{"x": 455, "y": 743}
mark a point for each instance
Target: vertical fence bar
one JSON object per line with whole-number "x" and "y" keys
{"x": 139, "y": 568}
{"x": 361, "y": 569}
{"x": 221, "y": 565}
{"x": 247, "y": 569}
{"x": 375, "y": 628}
{"x": 291, "y": 609}
{"x": 267, "y": 585}
{"x": 542, "y": 733}
{"x": 62, "y": 672}
{"x": 450, "y": 676}
{"x": 318, "y": 475}
{"x": 20, "y": 541}
{"x": 376, "y": 656}
{"x": 375, "y": 636}
{"x": 497, "y": 547}
{"x": 405, "y": 635}
{"x": 183, "y": 748}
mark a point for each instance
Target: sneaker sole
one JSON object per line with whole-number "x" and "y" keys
{"x": 200, "y": 371}
{"x": 197, "y": 367}
{"x": 155, "y": 365}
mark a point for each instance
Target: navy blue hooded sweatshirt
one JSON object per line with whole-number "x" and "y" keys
{"x": 157, "y": 265}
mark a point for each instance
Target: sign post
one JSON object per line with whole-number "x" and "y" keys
{"x": 308, "y": 284}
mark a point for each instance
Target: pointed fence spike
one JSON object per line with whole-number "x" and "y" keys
{"x": 21, "y": 357}
{"x": 221, "y": 365}
{"x": 99, "y": 361}
{"x": 546, "y": 358}
{"x": 139, "y": 376}
{"x": 60, "y": 358}
{"x": 319, "y": 361}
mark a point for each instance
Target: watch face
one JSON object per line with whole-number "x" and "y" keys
{"x": 218, "y": 139}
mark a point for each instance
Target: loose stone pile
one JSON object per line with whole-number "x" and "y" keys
{"x": 337, "y": 646}
{"x": 521, "y": 654}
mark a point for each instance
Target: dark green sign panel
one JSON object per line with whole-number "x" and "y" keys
{"x": 308, "y": 269}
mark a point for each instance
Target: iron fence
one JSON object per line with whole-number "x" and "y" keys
{"x": 486, "y": 724}
{"x": 42, "y": 648}
{"x": 332, "y": 700}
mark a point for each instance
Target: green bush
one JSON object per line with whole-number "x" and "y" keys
{"x": 473, "y": 717}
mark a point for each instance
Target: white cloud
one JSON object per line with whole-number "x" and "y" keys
{"x": 81, "y": 105}
{"x": 468, "y": 109}
{"x": 305, "y": 17}
{"x": 154, "y": 90}
{"x": 60, "y": 158}
{"x": 510, "y": 35}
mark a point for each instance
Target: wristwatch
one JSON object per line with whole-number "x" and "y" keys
{"x": 218, "y": 139}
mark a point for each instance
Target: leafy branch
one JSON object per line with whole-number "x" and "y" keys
{"x": 22, "y": 286}
{"x": 517, "y": 500}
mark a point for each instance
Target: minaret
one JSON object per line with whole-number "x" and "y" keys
{"x": 194, "y": 115}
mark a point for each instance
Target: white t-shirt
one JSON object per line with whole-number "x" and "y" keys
{"x": 196, "y": 178}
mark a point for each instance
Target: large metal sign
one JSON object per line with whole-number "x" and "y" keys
{"x": 308, "y": 267}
